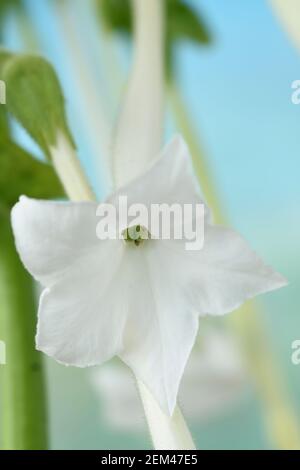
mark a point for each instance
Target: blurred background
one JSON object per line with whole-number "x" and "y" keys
{"x": 229, "y": 70}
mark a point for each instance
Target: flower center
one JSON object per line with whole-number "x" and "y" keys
{"x": 136, "y": 235}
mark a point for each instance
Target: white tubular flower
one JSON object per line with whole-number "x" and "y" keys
{"x": 106, "y": 297}
{"x": 139, "y": 129}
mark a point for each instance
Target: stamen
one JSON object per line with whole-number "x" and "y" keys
{"x": 136, "y": 235}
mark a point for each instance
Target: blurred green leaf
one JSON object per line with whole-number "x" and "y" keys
{"x": 184, "y": 23}
{"x": 116, "y": 15}
{"x": 35, "y": 99}
{"x": 21, "y": 173}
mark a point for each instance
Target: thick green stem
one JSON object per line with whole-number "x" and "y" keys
{"x": 23, "y": 414}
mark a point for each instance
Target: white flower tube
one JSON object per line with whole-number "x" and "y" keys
{"x": 94, "y": 117}
{"x": 66, "y": 163}
{"x": 168, "y": 433}
{"x": 139, "y": 131}
{"x": 138, "y": 140}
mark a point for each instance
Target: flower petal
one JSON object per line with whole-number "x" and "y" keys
{"x": 225, "y": 273}
{"x": 81, "y": 317}
{"x": 170, "y": 179}
{"x": 51, "y": 236}
{"x": 160, "y": 330}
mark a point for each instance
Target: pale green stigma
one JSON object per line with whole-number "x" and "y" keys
{"x": 136, "y": 235}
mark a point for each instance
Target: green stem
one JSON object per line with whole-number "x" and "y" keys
{"x": 21, "y": 378}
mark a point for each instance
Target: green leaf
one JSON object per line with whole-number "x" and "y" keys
{"x": 184, "y": 23}
{"x": 116, "y": 15}
{"x": 35, "y": 99}
{"x": 20, "y": 173}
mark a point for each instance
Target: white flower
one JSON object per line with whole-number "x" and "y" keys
{"x": 104, "y": 298}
